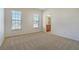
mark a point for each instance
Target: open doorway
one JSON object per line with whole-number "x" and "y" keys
{"x": 48, "y": 24}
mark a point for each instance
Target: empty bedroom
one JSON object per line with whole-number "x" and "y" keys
{"x": 39, "y": 29}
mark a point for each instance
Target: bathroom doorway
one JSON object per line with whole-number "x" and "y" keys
{"x": 48, "y": 24}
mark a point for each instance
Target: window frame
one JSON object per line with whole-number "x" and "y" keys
{"x": 16, "y": 20}
{"x": 34, "y": 20}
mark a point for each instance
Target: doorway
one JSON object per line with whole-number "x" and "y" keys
{"x": 48, "y": 24}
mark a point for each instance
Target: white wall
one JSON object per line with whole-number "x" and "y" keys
{"x": 65, "y": 22}
{"x": 27, "y": 21}
{"x": 1, "y": 25}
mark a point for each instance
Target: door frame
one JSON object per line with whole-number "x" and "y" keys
{"x": 48, "y": 23}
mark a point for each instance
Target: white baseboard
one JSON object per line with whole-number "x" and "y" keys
{"x": 20, "y": 34}
{"x": 66, "y": 36}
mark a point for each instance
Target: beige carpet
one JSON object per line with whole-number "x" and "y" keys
{"x": 39, "y": 41}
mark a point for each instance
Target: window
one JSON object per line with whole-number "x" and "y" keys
{"x": 16, "y": 20}
{"x": 36, "y": 21}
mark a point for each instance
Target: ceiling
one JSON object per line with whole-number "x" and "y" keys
{"x": 42, "y": 8}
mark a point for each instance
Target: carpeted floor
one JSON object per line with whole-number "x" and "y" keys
{"x": 39, "y": 41}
